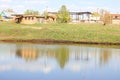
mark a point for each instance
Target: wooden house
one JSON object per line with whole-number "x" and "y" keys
{"x": 32, "y": 19}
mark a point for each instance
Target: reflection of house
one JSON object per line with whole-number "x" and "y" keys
{"x": 32, "y": 19}
{"x": 115, "y": 18}
{"x": 28, "y": 54}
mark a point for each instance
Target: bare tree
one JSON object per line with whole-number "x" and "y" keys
{"x": 105, "y": 16}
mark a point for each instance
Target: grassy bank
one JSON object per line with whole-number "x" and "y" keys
{"x": 69, "y": 32}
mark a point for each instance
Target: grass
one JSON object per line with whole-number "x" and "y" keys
{"x": 71, "y": 32}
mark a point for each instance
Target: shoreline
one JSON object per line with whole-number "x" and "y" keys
{"x": 57, "y": 41}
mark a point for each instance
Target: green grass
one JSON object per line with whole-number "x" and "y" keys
{"x": 72, "y": 32}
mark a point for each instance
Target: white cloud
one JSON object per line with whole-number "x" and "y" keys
{"x": 74, "y": 67}
{"x": 4, "y": 6}
{"x": 5, "y": 67}
{"x": 28, "y": 67}
{"x": 73, "y": 8}
{"x": 16, "y": 8}
{"x": 77, "y": 67}
{"x": 94, "y": 8}
{"x": 5, "y": 0}
{"x": 52, "y": 9}
{"x": 36, "y": 1}
{"x": 86, "y": 3}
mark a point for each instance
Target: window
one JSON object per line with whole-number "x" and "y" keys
{"x": 28, "y": 18}
{"x": 32, "y": 18}
{"x": 25, "y": 18}
{"x": 116, "y": 17}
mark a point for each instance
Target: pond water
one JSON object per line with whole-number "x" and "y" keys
{"x": 58, "y": 62}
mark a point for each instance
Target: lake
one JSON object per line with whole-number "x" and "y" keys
{"x": 58, "y": 62}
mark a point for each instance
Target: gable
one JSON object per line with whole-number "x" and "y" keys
{"x": 3, "y": 14}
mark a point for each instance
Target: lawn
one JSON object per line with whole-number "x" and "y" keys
{"x": 70, "y": 32}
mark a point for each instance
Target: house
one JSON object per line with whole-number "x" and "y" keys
{"x": 50, "y": 18}
{"x": 32, "y": 19}
{"x": 94, "y": 18}
{"x": 115, "y": 18}
{"x": 80, "y": 16}
{"x": 77, "y": 17}
{"x": 7, "y": 15}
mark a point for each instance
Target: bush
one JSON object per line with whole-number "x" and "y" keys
{"x": 63, "y": 15}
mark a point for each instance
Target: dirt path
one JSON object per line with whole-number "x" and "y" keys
{"x": 33, "y": 27}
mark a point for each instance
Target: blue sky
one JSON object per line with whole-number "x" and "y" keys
{"x": 53, "y": 5}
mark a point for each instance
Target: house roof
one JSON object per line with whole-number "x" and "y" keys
{"x": 73, "y": 13}
{"x": 6, "y": 13}
{"x": 37, "y": 16}
{"x": 115, "y": 16}
{"x": 23, "y": 15}
{"x": 79, "y": 13}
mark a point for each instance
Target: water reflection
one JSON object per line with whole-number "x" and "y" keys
{"x": 105, "y": 56}
{"x": 30, "y": 53}
{"x": 59, "y": 59}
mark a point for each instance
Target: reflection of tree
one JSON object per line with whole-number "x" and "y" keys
{"x": 28, "y": 53}
{"x": 62, "y": 56}
{"x": 105, "y": 55}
